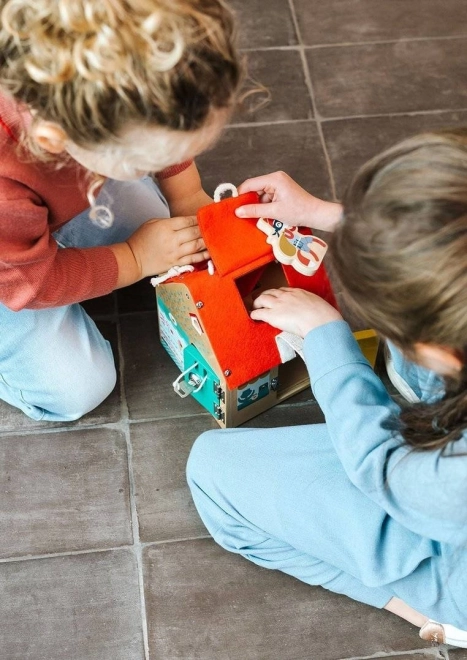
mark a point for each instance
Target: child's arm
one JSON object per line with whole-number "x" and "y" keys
{"x": 35, "y": 274}
{"x": 283, "y": 199}
{"x": 160, "y": 244}
{"x": 156, "y": 246}
{"x": 184, "y": 192}
{"x": 423, "y": 490}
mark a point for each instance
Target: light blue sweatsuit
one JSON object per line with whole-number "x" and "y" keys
{"x": 344, "y": 504}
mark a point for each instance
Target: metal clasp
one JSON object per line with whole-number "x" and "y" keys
{"x": 194, "y": 384}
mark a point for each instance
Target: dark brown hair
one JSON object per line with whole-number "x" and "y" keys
{"x": 400, "y": 254}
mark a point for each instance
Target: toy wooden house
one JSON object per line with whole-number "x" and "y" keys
{"x": 233, "y": 366}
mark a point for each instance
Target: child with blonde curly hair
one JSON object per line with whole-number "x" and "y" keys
{"x": 94, "y": 97}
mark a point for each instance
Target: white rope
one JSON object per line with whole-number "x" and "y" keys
{"x": 222, "y": 188}
{"x": 172, "y": 272}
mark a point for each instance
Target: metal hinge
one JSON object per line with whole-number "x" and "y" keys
{"x": 219, "y": 392}
{"x": 219, "y": 413}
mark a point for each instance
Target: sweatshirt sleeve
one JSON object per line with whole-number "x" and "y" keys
{"x": 34, "y": 272}
{"x": 426, "y": 491}
{"x": 173, "y": 170}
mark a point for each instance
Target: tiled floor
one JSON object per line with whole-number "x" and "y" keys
{"x": 103, "y": 556}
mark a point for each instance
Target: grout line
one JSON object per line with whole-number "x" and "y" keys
{"x": 90, "y": 551}
{"x": 283, "y": 404}
{"x": 275, "y": 122}
{"x": 402, "y": 113}
{"x": 137, "y": 547}
{"x": 65, "y": 553}
{"x": 314, "y": 106}
{"x": 378, "y": 42}
{"x": 122, "y": 425}
{"x": 433, "y": 652}
{"x": 113, "y": 426}
{"x": 370, "y": 115}
{"x": 150, "y": 544}
{"x": 347, "y": 44}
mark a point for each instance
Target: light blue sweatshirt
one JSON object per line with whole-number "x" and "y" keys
{"x": 425, "y": 491}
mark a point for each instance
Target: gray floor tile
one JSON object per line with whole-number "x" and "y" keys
{"x": 339, "y": 21}
{"x": 103, "y": 306}
{"x": 281, "y": 72}
{"x": 63, "y": 491}
{"x": 384, "y": 78}
{"x": 150, "y": 372}
{"x": 160, "y": 451}
{"x": 457, "y": 654}
{"x": 427, "y": 655}
{"x": 244, "y": 152}
{"x": 139, "y": 297}
{"x": 298, "y": 410}
{"x": 81, "y": 607}
{"x": 261, "y": 26}
{"x": 205, "y": 603}
{"x": 351, "y": 142}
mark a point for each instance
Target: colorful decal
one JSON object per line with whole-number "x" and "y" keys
{"x": 173, "y": 338}
{"x": 253, "y": 391}
{"x": 293, "y": 247}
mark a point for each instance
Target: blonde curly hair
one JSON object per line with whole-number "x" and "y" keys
{"x": 94, "y": 66}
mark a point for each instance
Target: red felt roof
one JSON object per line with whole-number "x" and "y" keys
{"x": 232, "y": 242}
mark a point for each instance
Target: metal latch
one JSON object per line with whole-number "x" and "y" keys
{"x": 192, "y": 385}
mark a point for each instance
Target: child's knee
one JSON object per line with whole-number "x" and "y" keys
{"x": 201, "y": 458}
{"x": 84, "y": 390}
{"x": 97, "y": 390}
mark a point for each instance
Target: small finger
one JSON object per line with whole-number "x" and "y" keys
{"x": 254, "y": 211}
{"x": 194, "y": 258}
{"x": 257, "y": 184}
{"x": 260, "y": 315}
{"x": 188, "y": 234}
{"x": 265, "y": 299}
{"x": 184, "y": 222}
{"x": 271, "y": 292}
{"x": 192, "y": 247}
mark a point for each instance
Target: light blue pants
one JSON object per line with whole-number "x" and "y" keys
{"x": 281, "y": 498}
{"x": 54, "y": 363}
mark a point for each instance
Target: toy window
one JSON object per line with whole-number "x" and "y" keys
{"x": 252, "y": 284}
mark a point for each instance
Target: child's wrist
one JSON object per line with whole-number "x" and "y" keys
{"x": 129, "y": 270}
{"x": 312, "y": 324}
{"x": 325, "y": 215}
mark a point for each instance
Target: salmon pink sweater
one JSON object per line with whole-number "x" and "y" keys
{"x": 35, "y": 200}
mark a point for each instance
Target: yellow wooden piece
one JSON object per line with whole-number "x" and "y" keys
{"x": 368, "y": 341}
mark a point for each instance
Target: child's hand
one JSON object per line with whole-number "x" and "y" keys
{"x": 293, "y": 310}
{"x": 283, "y": 199}
{"x": 160, "y": 244}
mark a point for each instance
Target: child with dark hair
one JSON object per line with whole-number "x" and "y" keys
{"x": 373, "y": 503}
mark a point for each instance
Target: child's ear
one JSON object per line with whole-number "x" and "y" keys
{"x": 50, "y": 137}
{"x": 442, "y": 359}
